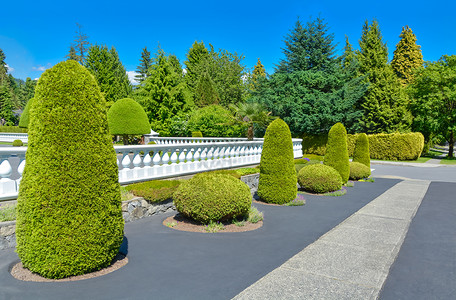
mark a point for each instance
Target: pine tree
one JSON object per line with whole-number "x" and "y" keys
{"x": 3, "y": 68}
{"x": 81, "y": 44}
{"x": 144, "y": 64}
{"x": 109, "y": 72}
{"x": 258, "y": 72}
{"x": 349, "y": 59}
{"x": 308, "y": 48}
{"x": 195, "y": 55}
{"x": 385, "y": 103}
{"x": 72, "y": 54}
{"x": 407, "y": 56}
{"x": 205, "y": 91}
{"x": 6, "y": 106}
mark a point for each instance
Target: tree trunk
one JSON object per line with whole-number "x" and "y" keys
{"x": 450, "y": 144}
{"x": 125, "y": 139}
{"x": 250, "y": 133}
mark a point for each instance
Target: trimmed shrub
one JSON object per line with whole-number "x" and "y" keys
{"x": 24, "y": 119}
{"x": 14, "y": 129}
{"x": 154, "y": 191}
{"x": 277, "y": 182}
{"x": 127, "y": 117}
{"x": 314, "y": 144}
{"x": 314, "y": 156}
{"x": 69, "y": 217}
{"x": 319, "y": 178}
{"x": 233, "y": 173}
{"x": 247, "y": 171}
{"x": 336, "y": 151}
{"x": 361, "y": 151}
{"x": 18, "y": 143}
{"x": 197, "y": 134}
{"x": 299, "y": 167}
{"x": 359, "y": 171}
{"x": 396, "y": 146}
{"x": 301, "y": 161}
{"x": 213, "y": 197}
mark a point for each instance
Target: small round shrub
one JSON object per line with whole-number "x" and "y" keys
{"x": 277, "y": 183}
{"x": 359, "y": 171}
{"x": 18, "y": 143}
{"x": 337, "y": 152}
{"x": 24, "y": 119}
{"x": 361, "y": 151}
{"x": 299, "y": 167}
{"x": 319, "y": 178}
{"x": 197, "y": 134}
{"x": 151, "y": 143}
{"x": 213, "y": 197}
{"x": 301, "y": 161}
{"x": 69, "y": 214}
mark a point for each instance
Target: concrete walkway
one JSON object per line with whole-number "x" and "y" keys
{"x": 352, "y": 260}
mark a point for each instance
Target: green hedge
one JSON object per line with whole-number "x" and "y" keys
{"x": 155, "y": 190}
{"x": 277, "y": 183}
{"x": 392, "y": 146}
{"x": 314, "y": 144}
{"x": 13, "y": 129}
{"x": 69, "y": 215}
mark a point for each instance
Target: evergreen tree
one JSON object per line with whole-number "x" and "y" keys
{"x": 144, "y": 66}
{"x": 163, "y": 94}
{"x": 3, "y": 68}
{"x": 308, "y": 48}
{"x": 72, "y": 54}
{"x": 349, "y": 60}
{"x": 195, "y": 55}
{"x": 385, "y": 103}
{"x": 205, "y": 91}
{"x": 81, "y": 44}
{"x": 407, "y": 56}
{"x": 6, "y": 106}
{"x": 109, "y": 72}
{"x": 258, "y": 71}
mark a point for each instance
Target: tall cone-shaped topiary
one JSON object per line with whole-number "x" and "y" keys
{"x": 24, "y": 119}
{"x": 336, "y": 154}
{"x": 361, "y": 152}
{"x": 69, "y": 217}
{"x": 277, "y": 171}
{"x": 127, "y": 117}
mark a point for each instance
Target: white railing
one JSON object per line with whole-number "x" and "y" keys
{"x": 190, "y": 140}
{"x": 10, "y": 137}
{"x": 147, "y": 162}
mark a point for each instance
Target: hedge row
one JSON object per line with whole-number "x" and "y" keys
{"x": 14, "y": 129}
{"x": 393, "y": 146}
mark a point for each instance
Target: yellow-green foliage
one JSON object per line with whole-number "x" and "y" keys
{"x": 278, "y": 179}
{"x": 385, "y": 146}
{"x": 213, "y": 197}
{"x": 314, "y": 144}
{"x": 396, "y": 146}
{"x": 69, "y": 217}
{"x": 127, "y": 117}
{"x": 336, "y": 151}
{"x": 361, "y": 151}
{"x": 197, "y": 134}
{"x": 24, "y": 120}
{"x": 155, "y": 190}
{"x": 18, "y": 143}
{"x": 359, "y": 171}
{"x": 318, "y": 178}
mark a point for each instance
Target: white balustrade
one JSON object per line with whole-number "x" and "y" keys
{"x": 170, "y": 157}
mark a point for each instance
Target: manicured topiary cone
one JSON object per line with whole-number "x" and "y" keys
{"x": 336, "y": 154}
{"x": 127, "y": 117}
{"x": 361, "y": 151}
{"x": 277, "y": 171}
{"x": 24, "y": 119}
{"x": 69, "y": 217}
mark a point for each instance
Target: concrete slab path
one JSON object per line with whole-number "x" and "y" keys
{"x": 352, "y": 260}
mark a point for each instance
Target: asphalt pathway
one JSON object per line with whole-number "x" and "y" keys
{"x": 169, "y": 264}
{"x": 426, "y": 265}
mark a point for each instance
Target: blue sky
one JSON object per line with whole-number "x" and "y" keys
{"x": 36, "y": 35}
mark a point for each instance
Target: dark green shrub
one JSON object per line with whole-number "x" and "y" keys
{"x": 359, "y": 171}
{"x": 18, "y": 143}
{"x": 127, "y": 117}
{"x": 314, "y": 144}
{"x": 319, "y": 178}
{"x": 212, "y": 197}
{"x": 336, "y": 151}
{"x": 154, "y": 191}
{"x": 361, "y": 151}
{"x": 24, "y": 119}
{"x": 277, "y": 182}
{"x": 197, "y": 134}
{"x": 69, "y": 216}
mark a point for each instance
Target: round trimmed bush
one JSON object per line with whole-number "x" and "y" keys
{"x": 18, "y": 143}
{"x": 319, "y": 178}
{"x": 197, "y": 134}
{"x": 359, "y": 171}
{"x": 127, "y": 117}
{"x": 24, "y": 119}
{"x": 212, "y": 197}
{"x": 361, "y": 151}
{"x": 336, "y": 151}
{"x": 277, "y": 183}
{"x": 69, "y": 216}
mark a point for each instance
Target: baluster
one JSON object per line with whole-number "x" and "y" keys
{"x": 137, "y": 160}
{"x": 7, "y": 186}
{"x": 216, "y": 153}
{"x": 126, "y": 160}
{"x": 210, "y": 154}
{"x": 174, "y": 156}
{"x": 156, "y": 159}
{"x": 147, "y": 160}
{"x": 20, "y": 168}
{"x": 182, "y": 156}
{"x": 197, "y": 155}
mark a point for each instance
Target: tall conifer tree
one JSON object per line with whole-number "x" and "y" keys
{"x": 72, "y": 54}
{"x": 407, "y": 56}
{"x": 144, "y": 64}
{"x": 3, "y": 68}
{"x": 385, "y": 103}
{"x": 81, "y": 44}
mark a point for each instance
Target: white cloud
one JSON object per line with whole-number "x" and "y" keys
{"x": 39, "y": 68}
{"x": 131, "y": 76}
{"x": 184, "y": 71}
{"x": 10, "y": 70}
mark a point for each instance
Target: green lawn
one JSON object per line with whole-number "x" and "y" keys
{"x": 448, "y": 161}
